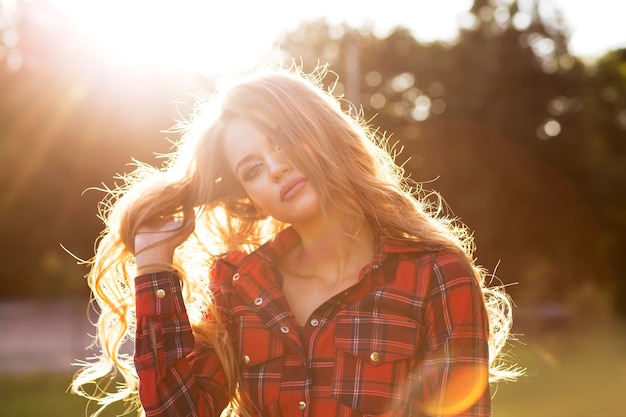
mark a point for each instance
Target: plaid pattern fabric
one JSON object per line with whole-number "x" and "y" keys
{"x": 409, "y": 339}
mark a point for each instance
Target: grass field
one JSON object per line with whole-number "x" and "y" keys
{"x": 569, "y": 374}
{"x": 43, "y": 395}
{"x": 572, "y": 374}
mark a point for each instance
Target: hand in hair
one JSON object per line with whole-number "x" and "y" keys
{"x": 155, "y": 242}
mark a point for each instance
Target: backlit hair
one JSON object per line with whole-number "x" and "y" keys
{"x": 349, "y": 165}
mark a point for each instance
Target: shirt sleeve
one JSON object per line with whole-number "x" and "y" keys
{"x": 455, "y": 371}
{"x": 174, "y": 378}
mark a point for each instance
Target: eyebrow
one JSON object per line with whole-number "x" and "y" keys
{"x": 250, "y": 157}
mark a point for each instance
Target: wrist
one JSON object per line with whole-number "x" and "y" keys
{"x": 154, "y": 268}
{"x": 149, "y": 261}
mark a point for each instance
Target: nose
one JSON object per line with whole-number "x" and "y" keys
{"x": 278, "y": 166}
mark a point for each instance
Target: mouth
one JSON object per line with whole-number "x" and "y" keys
{"x": 291, "y": 188}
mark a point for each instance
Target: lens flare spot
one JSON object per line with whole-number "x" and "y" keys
{"x": 464, "y": 386}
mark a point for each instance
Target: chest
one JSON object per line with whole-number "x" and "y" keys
{"x": 352, "y": 353}
{"x": 305, "y": 295}
{"x": 361, "y": 314}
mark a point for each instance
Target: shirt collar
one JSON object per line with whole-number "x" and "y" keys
{"x": 273, "y": 250}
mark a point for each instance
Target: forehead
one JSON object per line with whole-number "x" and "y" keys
{"x": 240, "y": 138}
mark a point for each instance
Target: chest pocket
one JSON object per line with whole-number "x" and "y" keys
{"x": 373, "y": 362}
{"x": 261, "y": 362}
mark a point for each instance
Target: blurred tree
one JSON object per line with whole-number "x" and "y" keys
{"x": 601, "y": 156}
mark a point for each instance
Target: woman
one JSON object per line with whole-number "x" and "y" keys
{"x": 280, "y": 265}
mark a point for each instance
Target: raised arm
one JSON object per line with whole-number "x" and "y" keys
{"x": 177, "y": 377}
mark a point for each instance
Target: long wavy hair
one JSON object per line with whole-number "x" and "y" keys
{"x": 349, "y": 164}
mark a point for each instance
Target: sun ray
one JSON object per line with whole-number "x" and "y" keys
{"x": 41, "y": 121}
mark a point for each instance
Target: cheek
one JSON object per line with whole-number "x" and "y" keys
{"x": 255, "y": 194}
{"x": 312, "y": 156}
{"x": 308, "y": 162}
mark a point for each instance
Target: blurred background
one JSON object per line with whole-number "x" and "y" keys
{"x": 515, "y": 110}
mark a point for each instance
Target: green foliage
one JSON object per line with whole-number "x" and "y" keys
{"x": 45, "y": 394}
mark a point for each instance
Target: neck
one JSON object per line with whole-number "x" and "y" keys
{"x": 330, "y": 252}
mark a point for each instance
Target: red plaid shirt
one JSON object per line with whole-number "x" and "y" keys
{"x": 409, "y": 339}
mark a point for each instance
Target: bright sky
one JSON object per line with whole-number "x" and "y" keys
{"x": 234, "y": 34}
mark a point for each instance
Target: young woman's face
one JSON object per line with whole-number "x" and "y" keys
{"x": 267, "y": 175}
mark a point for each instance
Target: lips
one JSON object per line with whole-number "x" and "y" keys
{"x": 292, "y": 187}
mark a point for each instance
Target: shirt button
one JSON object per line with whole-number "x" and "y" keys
{"x": 375, "y": 356}
{"x": 246, "y": 359}
{"x": 301, "y": 406}
{"x": 160, "y": 293}
{"x": 236, "y": 277}
{"x": 284, "y": 329}
{"x": 314, "y": 322}
{"x": 258, "y": 301}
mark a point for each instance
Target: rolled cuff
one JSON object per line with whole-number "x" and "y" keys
{"x": 158, "y": 293}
